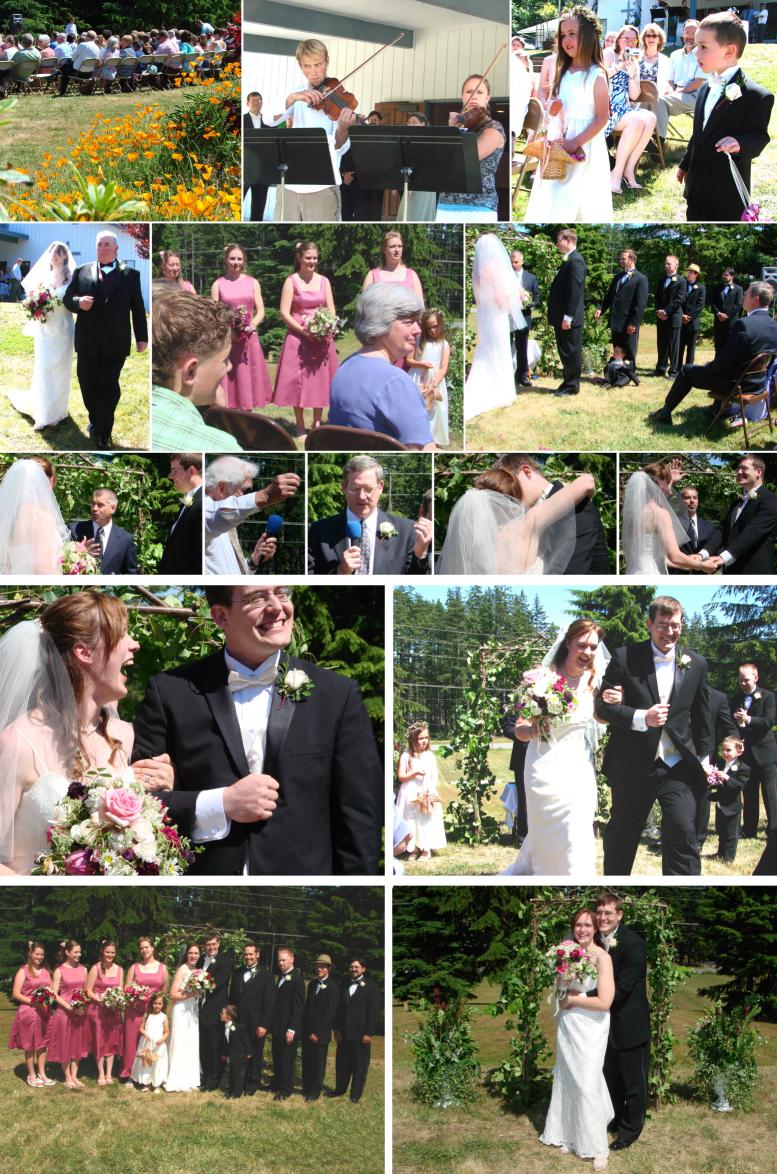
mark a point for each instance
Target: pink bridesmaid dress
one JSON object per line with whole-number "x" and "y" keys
{"x": 30, "y": 1027}
{"x": 248, "y": 383}
{"x": 68, "y": 1034}
{"x": 306, "y": 366}
{"x": 134, "y": 1012}
{"x": 104, "y": 1026}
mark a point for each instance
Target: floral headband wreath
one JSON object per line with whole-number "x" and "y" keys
{"x": 585, "y": 16}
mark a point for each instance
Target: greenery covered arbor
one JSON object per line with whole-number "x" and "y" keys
{"x": 407, "y": 477}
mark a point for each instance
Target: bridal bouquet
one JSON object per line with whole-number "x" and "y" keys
{"x": 40, "y": 303}
{"x": 241, "y": 323}
{"x": 199, "y": 982}
{"x": 136, "y": 992}
{"x": 322, "y": 323}
{"x": 79, "y": 1000}
{"x": 107, "y": 825}
{"x": 570, "y": 965}
{"x": 542, "y": 695}
{"x": 114, "y": 999}
{"x": 76, "y": 560}
{"x": 43, "y": 997}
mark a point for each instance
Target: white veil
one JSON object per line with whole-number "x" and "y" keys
{"x": 32, "y": 529}
{"x": 41, "y": 272}
{"x": 490, "y": 533}
{"x": 494, "y": 284}
{"x": 34, "y": 685}
{"x": 643, "y": 541}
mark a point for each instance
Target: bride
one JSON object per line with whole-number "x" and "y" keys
{"x": 652, "y": 532}
{"x": 60, "y": 679}
{"x": 46, "y": 400}
{"x": 580, "y": 1104}
{"x": 559, "y": 772}
{"x": 491, "y": 531}
{"x": 491, "y": 380}
{"x": 184, "y": 1047}
{"x": 32, "y": 530}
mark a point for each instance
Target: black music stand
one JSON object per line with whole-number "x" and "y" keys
{"x": 416, "y": 158}
{"x": 277, "y": 156}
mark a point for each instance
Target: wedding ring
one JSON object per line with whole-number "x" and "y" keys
{"x": 146, "y": 779}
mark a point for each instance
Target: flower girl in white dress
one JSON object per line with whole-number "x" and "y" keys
{"x": 150, "y": 1067}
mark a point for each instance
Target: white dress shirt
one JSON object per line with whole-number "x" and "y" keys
{"x": 306, "y": 116}
{"x": 665, "y": 666}
{"x": 221, "y": 517}
{"x": 684, "y": 67}
{"x": 716, "y": 89}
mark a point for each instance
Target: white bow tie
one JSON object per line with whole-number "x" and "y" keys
{"x": 266, "y": 675}
{"x": 663, "y": 658}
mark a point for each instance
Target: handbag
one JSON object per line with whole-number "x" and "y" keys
{"x": 752, "y": 210}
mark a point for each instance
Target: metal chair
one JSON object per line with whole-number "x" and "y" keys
{"x": 84, "y": 76}
{"x": 47, "y": 71}
{"x": 22, "y": 74}
{"x": 254, "y": 432}
{"x": 5, "y": 76}
{"x": 173, "y": 68}
{"x": 761, "y": 364}
{"x": 339, "y": 438}
{"x": 126, "y": 73}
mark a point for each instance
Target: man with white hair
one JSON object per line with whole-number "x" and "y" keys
{"x": 230, "y": 500}
{"x": 685, "y": 78}
{"x": 107, "y": 300}
{"x": 86, "y": 49}
{"x": 62, "y": 48}
{"x": 386, "y": 544}
{"x": 44, "y": 47}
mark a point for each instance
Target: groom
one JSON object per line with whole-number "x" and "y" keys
{"x": 659, "y": 743}
{"x": 105, "y": 296}
{"x": 565, "y": 310}
{"x": 276, "y": 767}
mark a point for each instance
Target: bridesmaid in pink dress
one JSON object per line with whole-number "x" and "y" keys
{"x": 392, "y": 270}
{"x": 170, "y": 270}
{"x": 247, "y": 385}
{"x": 104, "y": 1026}
{"x": 307, "y": 365}
{"x": 147, "y": 972}
{"x": 68, "y": 1042}
{"x": 30, "y": 1026}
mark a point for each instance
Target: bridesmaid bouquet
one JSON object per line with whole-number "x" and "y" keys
{"x": 136, "y": 992}
{"x": 43, "y": 997}
{"x": 241, "y": 324}
{"x": 107, "y": 825}
{"x": 79, "y": 1000}
{"x": 322, "y": 323}
{"x": 199, "y": 982}
{"x": 114, "y": 999}
{"x": 76, "y": 560}
{"x": 39, "y": 304}
{"x": 544, "y": 695}
{"x": 570, "y": 965}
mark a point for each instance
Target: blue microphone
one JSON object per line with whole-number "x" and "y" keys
{"x": 274, "y": 525}
{"x": 354, "y": 532}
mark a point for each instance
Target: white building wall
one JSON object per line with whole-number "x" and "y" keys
{"x": 80, "y": 239}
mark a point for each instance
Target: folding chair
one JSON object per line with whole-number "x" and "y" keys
{"x": 765, "y": 363}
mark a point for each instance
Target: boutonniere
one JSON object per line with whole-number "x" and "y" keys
{"x": 757, "y": 696}
{"x": 674, "y": 277}
{"x": 230, "y": 1028}
{"x": 732, "y": 92}
{"x": 361, "y": 984}
{"x": 386, "y": 531}
{"x": 187, "y": 499}
{"x": 752, "y": 495}
{"x": 293, "y": 684}
{"x": 613, "y": 943}
{"x": 684, "y": 661}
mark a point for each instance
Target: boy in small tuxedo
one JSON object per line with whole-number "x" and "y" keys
{"x": 731, "y": 117}
{"x": 617, "y": 372}
{"x": 726, "y": 785}
{"x": 236, "y": 1047}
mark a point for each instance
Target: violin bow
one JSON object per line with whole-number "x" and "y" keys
{"x": 372, "y": 56}
{"x": 483, "y": 76}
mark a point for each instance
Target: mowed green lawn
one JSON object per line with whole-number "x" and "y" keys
{"x": 662, "y": 196}
{"x": 603, "y": 419}
{"x": 131, "y": 430}
{"x": 489, "y": 859}
{"x": 117, "y": 1131}
{"x": 487, "y": 1138}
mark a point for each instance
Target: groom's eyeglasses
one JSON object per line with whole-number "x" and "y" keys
{"x": 667, "y": 627}
{"x": 261, "y": 599}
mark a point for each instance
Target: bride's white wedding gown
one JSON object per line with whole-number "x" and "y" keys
{"x": 46, "y": 400}
{"x": 184, "y": 1045}
{"x": 491, "y": 380}
{"x": 580, "y": 1104}
{"x": 560, "y": 785}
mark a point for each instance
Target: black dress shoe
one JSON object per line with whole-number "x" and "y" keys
{"x": 662, "y": 416}
{"x": 622, "y": 1143}
{"x": 566, "y": 391}
{"x": 281, "y": 1096}
{"x": 524, "y": 383}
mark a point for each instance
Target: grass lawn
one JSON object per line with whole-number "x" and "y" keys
{"x": 486, "y": 1138}
{"x": 604, "y": 419}
{"x": 116, "y": 1130}
{"x": 130, "y": 431}
{"x": 662, "y": 197}
{"x": 488, "y": 859}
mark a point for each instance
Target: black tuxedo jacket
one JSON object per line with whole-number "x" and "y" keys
{"x": 104, "y": 331}
{"x": 289, "y": 1005}
{"x": 709, "y": 184}
{"x": 630, "y": 753}
{"x": 694, "y": 304}
{"x": 321, "y": 750}
{"x": 731, "y": 304}
{"x": 590, "y": 555}
{"x": 359, "y": 1015}
{"x": 328, "y": 539}
{"x": 566, "y": 297}
{"x": 626, "y": 302}
{"x": 518, "y": 753}
{"x": 752, "y": 536}
{"x": 758, "y": 735}
{"x": 120, "y": 557}
{"x": 529, "y": 283}
{"x": 213, "y": 1002}
{"x": 729, "y": 796}
{"x": 630, "y": 1010}
{"x": 254, "y": 999}
{"x": 671, "y": 298}
{"x": 320, "y": 1010}
{"x": 748, "y": 337}
{"x": 182, "y": 554}
{"x": 721, "y": 722}
{"x": 240, "y": 1045}
{"x": 248, "y": 122}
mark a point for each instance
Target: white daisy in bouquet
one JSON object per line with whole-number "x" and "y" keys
{"x": 44, "y": 997}
{"x": 114, "y": 999}
{"x": 75, "y": 559}
{"x": 136, "y": 992}
{"x": 199, "y": 982}
{"x": 322, "y": 323}
{"x": 107, "y": 825}
{"x": 544, "y": 695}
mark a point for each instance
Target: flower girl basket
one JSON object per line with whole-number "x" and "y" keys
{"x": 553, "y": 159}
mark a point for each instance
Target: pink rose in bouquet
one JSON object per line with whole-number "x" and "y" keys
{"x": 121, "y": 806}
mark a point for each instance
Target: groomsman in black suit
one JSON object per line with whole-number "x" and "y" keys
{"x": 754, "y": 710}
{"x": 669, "y": 299}
{"x": 286, "y": 1025}
{"x": 702, "y": 534}
{"x": 566, "y": 300}
{"x": 322, "y": 1003}
{"x": 356, "y": 1023}
{"x": 252, "y": 120}
{"x": 626, "y": 300}
{"x": 746, "y": 546}
{"x": 627, "y": 1059}
{"x": 694, "y": 304}
{"x": 252, "y": 991}
{"x": 749, "y": 336}
{"x": 219, "y": 966}
{"x": 528, "y": 282}
{"x": 182, "y": 554}
{"x": 727, "y": 308}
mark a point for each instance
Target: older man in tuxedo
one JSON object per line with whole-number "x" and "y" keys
{"x": 252, "y": 991}
{"x": 754, "y": 709}
{"x": 530, "y": 299}
{"x": 566, "y": 304}
{"x": 626, "y": 300}
{"x": 746, "y": 545}
{"x": 362, "y": 539}
{"x": 277, "y": 771}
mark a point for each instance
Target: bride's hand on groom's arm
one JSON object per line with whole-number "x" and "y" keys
{"x": 612, "y": 695}
{"x": 525, "y": 730}
{"x": 155, "y": 774}
{"x": 251, "y": 798}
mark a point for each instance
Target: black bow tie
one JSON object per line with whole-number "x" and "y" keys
{"x": 108, "y": 268}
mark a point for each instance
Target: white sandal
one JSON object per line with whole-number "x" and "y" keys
{"x": 600, "y": 1161}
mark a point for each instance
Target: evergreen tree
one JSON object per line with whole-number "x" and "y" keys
{"x": 743, "y": 934}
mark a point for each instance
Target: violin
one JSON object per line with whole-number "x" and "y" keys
{"x": 473, "y": 118}
{"x": 335, "y": 100}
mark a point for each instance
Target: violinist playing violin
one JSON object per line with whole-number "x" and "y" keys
{"x": 475, "y": 118}
{"x": 306, "y": 202}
